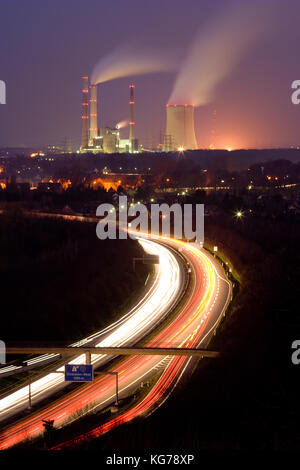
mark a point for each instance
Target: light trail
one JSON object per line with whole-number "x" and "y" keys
{"x": 150, "y": 310}
{"x": 194, "y": 324}
{"x": 93, "y": 338}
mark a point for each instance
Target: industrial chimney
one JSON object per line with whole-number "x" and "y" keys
{"x": 180, "y": 131}
{"x": 85, "y": 113}
{"x": 93, "y": 113}
{"x": 131, "y": 122}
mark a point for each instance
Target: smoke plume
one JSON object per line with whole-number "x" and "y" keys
{"x": 122, "y": 124}
{"x": 217, "y": 49}
{"x": 132, "y": 60}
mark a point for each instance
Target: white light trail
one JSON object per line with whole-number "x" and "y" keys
{"x": 150, "y": 310}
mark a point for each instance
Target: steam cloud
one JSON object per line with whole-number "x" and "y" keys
{"x": 132, "y": 60}
{"x": 122, "y": 124}
{"x": 217, "y": 49}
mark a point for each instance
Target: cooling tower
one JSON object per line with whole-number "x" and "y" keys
{"x": 93, "y": 113}
{"x": 180, "y": 131}
{"x": 85, "y": 113}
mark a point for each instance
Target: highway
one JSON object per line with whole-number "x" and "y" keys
{"x": 151, "y": 308}
{"x": 143, "y": 317}
{"x": 208, "y": 296}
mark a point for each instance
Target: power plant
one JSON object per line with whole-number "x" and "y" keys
{"x": 180, "y": 129}
{"x": 97, "y": 139}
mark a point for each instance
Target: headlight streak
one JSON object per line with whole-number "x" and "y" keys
{"x": 95, "y": 336}
{"x": 148, "y": 311}
{"x": 186, "y": 330}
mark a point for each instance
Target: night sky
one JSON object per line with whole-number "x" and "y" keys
{"x": 47, "y": 45}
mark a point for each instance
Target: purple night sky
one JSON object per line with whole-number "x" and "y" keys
{"x": 46, "y": 46}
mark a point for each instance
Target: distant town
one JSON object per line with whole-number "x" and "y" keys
{"x": 260, "y": 182}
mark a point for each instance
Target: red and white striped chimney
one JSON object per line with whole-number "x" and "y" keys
{"x": 85, "y": 113}
{"x": 131, "y": 122}
{"x": 93, "y": 113}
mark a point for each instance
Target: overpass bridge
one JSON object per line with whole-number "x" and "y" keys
{"x": 113, "y": 351}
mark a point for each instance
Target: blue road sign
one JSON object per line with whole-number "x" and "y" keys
{"x": 79, "y": 373}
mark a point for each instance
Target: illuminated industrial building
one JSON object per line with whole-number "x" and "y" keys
{"x": 103, "y": 139}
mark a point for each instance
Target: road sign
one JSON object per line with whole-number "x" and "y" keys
{"x": 79, "y": 373}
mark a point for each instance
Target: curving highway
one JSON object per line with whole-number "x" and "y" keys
{"x": 207, "y": 297}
